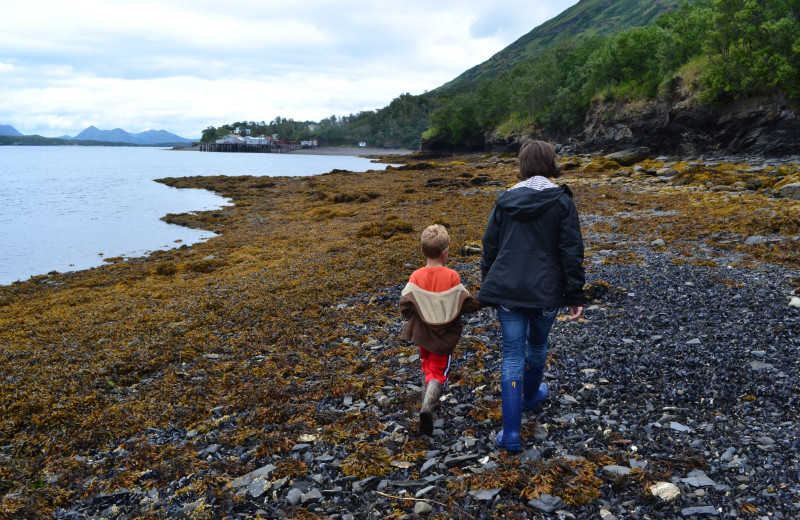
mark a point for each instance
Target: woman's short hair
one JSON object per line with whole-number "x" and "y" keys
{"x": 434, "y": 240}
{"x": 537, "y": 158}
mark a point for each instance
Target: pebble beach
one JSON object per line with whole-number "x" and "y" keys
{"x": 260, "y": 374}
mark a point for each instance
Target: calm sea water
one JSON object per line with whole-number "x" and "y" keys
{"x": 66, "y": 208}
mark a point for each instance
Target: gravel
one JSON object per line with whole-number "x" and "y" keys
{"x": 686, "y": 375}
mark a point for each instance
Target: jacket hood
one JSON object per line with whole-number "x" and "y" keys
{"x": 528, "y": 204}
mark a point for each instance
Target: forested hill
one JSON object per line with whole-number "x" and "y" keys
{"x": 702, "y": 64}
{"x": 586, "y": 18}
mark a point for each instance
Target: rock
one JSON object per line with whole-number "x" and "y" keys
{"x": 790, "y": 191}
{"x": 422, "y": 508}
{"x": 605, "y": 514}
{"x": 698, "y": 478}
{"x": 700, "y": 510}
{"x": 755, "y": 240}
{"x": 665, "y": 491}
{"x": 258, "y": 487}
{"x": 794, "y": 302}
{"x": 629, "y": 156}
{"x": 617, "y": 470}
{"x": 546, "y": 503}
{"x": 471, "y": 248}
{"x": 428, "y": 465}
{"x": 424, "y": 491}
{"x": 759, "y": 365}
{"x": 245, "y": 480}
{"x": 485, "y": 494}
{"x": 311, "y": 496}
{"x": 728, "y": 455}
{"x": 658, "y": 243}
{"x": 679, "y": 427}
{"x": 294, "y": 496}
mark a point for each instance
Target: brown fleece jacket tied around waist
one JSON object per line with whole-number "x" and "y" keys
{"x": 434, "y": 318}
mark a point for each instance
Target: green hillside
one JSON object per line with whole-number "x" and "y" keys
{"x": 586, "y": 18}
{"x": 722, "y": 50}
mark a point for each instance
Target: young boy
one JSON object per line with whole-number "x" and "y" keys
{"x": 433, "y": 301}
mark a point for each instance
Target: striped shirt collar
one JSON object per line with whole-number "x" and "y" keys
{"x": 537, "y": 182}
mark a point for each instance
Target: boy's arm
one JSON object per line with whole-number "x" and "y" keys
{"x": 470, "y": 305}
{"x": 406, "y": 307}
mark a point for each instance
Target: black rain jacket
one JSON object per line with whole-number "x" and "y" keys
{"x": 533, "y": 250}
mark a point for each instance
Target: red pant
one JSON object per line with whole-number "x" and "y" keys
{"x": 434, "y": 366}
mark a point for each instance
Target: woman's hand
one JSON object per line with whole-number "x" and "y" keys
{"x": 575, "y": 313}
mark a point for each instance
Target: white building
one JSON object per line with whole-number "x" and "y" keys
{"x": 256, "y": 140}
{"x": 231, "y": 139}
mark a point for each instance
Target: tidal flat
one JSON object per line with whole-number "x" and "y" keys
{"x": 260, "y": 374}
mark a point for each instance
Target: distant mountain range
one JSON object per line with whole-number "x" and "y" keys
{"x": 95, "y": 135}
{"x": 9, "y": 130}
{"x": 119, "y": 135}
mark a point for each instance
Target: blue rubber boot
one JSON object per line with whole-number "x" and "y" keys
{"x": 534, "y": 391}
{"x": 508, "y": 438}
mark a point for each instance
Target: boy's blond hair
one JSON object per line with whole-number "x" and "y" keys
{"x": 434, "y": 240}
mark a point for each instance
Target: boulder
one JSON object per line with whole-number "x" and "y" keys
{"x": 630, "y": 156}
{"x": 790, "y": 191}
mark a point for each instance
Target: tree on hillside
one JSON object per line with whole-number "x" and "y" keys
{"x": 209, "y": 135}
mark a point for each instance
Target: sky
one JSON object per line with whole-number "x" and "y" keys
{"x": 182, "y": 66}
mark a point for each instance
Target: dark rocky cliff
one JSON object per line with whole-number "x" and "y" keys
{"x": 764, "y": 125}
{"x": 681, "y": 125}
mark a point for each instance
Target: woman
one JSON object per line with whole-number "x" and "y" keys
{"x": 532, "y": 265}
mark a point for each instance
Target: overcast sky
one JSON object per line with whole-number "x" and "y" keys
{"x": 181, "y": 65}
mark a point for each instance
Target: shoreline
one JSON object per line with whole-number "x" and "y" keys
{"x": 333, "y": 150}
{"x": 261, "y": 370}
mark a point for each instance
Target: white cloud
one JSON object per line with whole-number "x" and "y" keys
{"x": 182, "y": 65}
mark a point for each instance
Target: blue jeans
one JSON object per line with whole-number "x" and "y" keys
{"x": 525, "y": 338}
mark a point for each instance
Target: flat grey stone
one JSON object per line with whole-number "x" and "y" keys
{"x": 758, "y": 366}
{"x": 546, "y": 503}
{"x": 485, "y": 494}
{"x": 679, "y": 427}
{"x": 699, "y": 510}
{"x": 450, "y": 461}
{"x": 422, "y": 508}
{"x": 258, "y": 487}
{"x": 311, "y": 496}
{"x": 424, "y": 491}
{"x": 293, "y": 496}
{"x": 698, "y": 481}
{"x": 245, "y": 480}
{"x": 617, "y": 470}
{"x": 428, "y": 465}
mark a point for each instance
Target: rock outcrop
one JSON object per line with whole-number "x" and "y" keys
{"x": 678, "y": 124}
{"x": 682, "y": 125}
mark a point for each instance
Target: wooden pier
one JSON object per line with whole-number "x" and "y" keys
{"x": 250, "y": 148}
